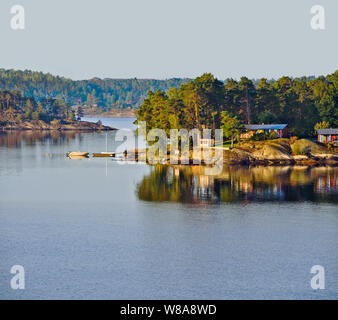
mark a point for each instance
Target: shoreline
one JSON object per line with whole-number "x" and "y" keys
{"x": 39, "y": 125}
{"x": 278, "y": 152}
{"x": 293, "y": 161}
{"x": 110, "y": 114}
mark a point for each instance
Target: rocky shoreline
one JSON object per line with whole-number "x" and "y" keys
{"x": 64, "y": 125}
{"x": 237, "y": 156}
{"x": 267, "y": 153}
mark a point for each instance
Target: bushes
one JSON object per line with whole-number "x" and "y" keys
{"x": 259, "y": 136}
{"x": 273, "y": 135}
{"x": 18, "y": 118}
{"x": 293, "y": 139}
{"x": 55, "y": 123}
{"x": 35, "y": 115}
{"x": 305, "y": 147}
{"x": 298, "y": 150}
{"x": 71, "y": 116}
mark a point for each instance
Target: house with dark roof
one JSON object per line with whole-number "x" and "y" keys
{"x": 327, "y": 135}
{"x": 251, "y": 129}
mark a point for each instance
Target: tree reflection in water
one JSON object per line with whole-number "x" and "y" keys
{"x": 189, "y": 184}
{"x": 14, "y": 139}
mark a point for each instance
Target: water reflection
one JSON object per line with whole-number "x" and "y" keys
{"x": 240, "y": 184}
{"x": 14, "y": 139}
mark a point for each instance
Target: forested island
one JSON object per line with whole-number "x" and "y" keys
{"x": 25, "y": 113}
{"x": 206, "y": 102}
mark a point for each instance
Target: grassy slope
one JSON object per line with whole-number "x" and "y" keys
{"x": 304, "y": 146}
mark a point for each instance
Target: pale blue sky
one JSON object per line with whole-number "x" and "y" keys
{"x": 170, "y": 38}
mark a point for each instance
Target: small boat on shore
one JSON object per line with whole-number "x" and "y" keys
{"x": 77, "y": 154}
{"x": 104, "y": 154}
{"x": 78, "y": 157}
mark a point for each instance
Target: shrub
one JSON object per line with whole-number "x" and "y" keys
{"x": 293, "y": 139}
{"x": 55, "y": 123}
{"x": 297, "y": 150}
{"x": 18, "y": 118}
{"x": 302, "y": 150}
{"x": 71, "y": 116}
{"x": 321, "y": 125}
{"x": 35, "y": 115}
{"x": 259, "y": 136}
{"x": 28, "y": 114}
{"x": 273, "y": 135}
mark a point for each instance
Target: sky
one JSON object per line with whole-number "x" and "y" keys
{"x": 161, "y": 39}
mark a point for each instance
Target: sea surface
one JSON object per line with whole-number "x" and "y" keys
{"x": 98, "y": 228}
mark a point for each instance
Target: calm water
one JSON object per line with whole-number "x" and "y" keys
{"x": 98, "y": 228}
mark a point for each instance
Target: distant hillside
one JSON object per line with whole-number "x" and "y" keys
{"x": 102, "y": 93}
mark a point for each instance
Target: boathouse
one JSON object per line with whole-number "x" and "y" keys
{"x": 251, "y": 129}
{"x": 327, "y": 135}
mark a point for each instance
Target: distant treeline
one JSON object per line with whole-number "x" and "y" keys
{"x": 103, "y": 93}
{"x": 299, "y": 102}
{"x": 14, "y": 107}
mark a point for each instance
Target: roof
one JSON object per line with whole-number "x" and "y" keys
{"x": 265, "y": 126}
{"x": 328, "y": 131}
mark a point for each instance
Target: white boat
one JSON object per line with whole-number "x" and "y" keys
{"x": 77, "y": 154}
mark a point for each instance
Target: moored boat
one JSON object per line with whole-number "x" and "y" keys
{"x": 78, "y": 157}
{"x": 77, "y": 154}
{"x": 104, "y": 154}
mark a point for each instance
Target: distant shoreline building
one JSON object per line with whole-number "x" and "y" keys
{"x": 251, "y": 129}
{"x": 206, "y": 143}
{"x": 327, "y": 135}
